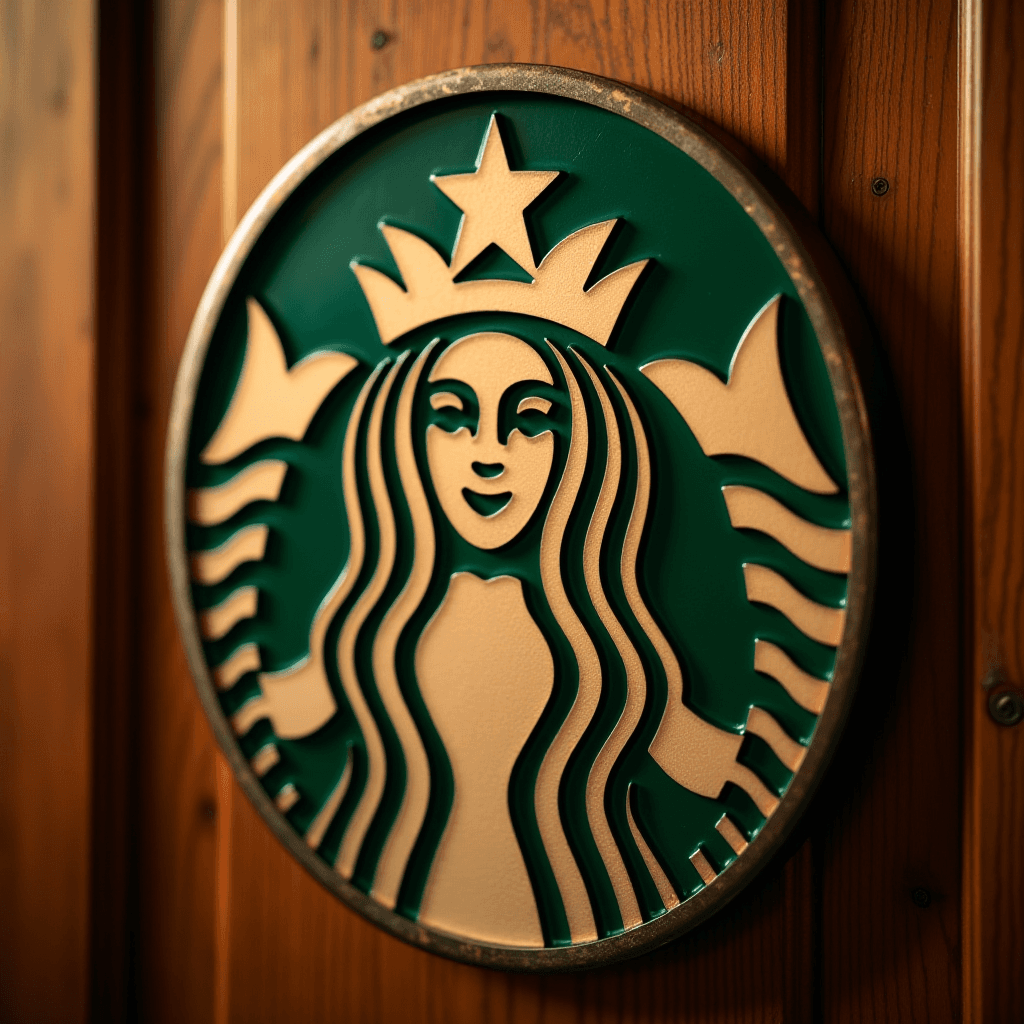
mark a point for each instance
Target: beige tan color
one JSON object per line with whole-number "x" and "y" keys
{"x": 493, "y": 199}
{"x": 580, "y": 915}
{"x": 248, "y": 545}
{"x": 261, "y": 481}
{"x": 489, "y": 364}
{"x": 556, "y": 293}
{"x": 807, "y": 690}
{"x": 704, "y": 869}
{"x": 751, "y": 509}
{"x": 218, "y": 621}
{"x": 413, "y": 807}
{"x": 818, "y": 621}
{"x": 751, "y": 414}
{"x": 693, "y": 752}
{"x": 597, "y": 781}
{"x": 731, "y": 834}
{"x": 298, "y": 699}
{"x": 376, "y": 758}
{"x": 485, "y": 673}
{"x": 271, "y": 400}
{"x": 245, "y": 659}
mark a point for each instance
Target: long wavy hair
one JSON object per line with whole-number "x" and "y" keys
{"x": 617, "y": 666}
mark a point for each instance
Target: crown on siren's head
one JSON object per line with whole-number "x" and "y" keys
{"x": 493, "y": 199}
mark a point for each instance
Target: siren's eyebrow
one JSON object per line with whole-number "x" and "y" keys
{"x": 447, "y": 400}
{"x": 533, "y": 402}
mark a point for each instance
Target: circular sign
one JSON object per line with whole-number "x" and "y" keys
{"x": 520, "y": 516}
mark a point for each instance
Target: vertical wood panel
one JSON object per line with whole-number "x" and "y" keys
{"x": 295, "y": 951}
{"x": 47, "y": 183}
{"x": 177, "y": 804}
{"x": 993, "y": 216}
{"x": 891, "y": 111}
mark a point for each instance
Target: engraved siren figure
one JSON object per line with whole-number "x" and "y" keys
{"x": 514, "y": 432}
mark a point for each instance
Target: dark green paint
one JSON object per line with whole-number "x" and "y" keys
{"x": 711, "y": 272}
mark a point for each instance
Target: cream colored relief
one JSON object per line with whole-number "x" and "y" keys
{"x": 261, "y": 481}
{"x": 703, "y": 867}
{"x": 751, "y": 414}
{"x": 576, "y": 900}
{"x": 597, "y": 782}
{"x": 413, "y": 808}
{"x": 807, "y": 690}
{"x": 485, "y": 672}
{"x": 271, "y": 400}
{"x": 216, "y": 622}
{"x": 818, "y": 621}
{"x": 298, "y": 699}
{"x": 751, "y": 509}
{"x": 265, "y": 758}
{"x": 245, "y": 659}
{"x": 248, "y": 545}
{"x": 376, "y": 758}
{"x": 493, "y": 199}
{"x": 731, "y": 834}
{"x": 690, "y": 750}
{"x": 515, "y": 471}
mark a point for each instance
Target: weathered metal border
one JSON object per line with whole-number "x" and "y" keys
{"x": 834, "y": 337}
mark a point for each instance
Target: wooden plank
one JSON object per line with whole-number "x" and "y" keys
{"x": 295, "y": 952}
{"x": 47, "y": 351}
{"x": 305, "y": 64}
{"x": 992, "y": 207}
{"x": 891, "y": 111}
{"x": 177, "y": 781}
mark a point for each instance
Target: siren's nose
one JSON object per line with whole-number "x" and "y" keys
{"x": 488, "y": 470}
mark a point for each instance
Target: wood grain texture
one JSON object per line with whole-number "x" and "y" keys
{"x": 177, "y": 783}
{"x": 47, "y": 351}
{"x": 993, "y": 344}
{"x": 304, "y": 64}
{"x": 890, "y": 110}
{"x": 831, "y": 934}
{"x": 294, "y": 950}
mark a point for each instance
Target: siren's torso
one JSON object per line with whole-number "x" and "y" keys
{"x": 485, "y": 672}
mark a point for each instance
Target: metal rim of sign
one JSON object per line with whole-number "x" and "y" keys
{"x": 834, "y": 332}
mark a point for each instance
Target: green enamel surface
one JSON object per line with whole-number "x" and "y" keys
{"x": 711, "y": 272}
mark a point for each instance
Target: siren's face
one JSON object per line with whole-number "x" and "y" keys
{"x": 491, "y": 454}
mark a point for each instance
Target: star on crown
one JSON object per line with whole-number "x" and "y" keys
{"x": 493, "y": 199}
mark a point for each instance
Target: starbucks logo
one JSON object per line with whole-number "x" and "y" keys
{"x": 520, "y": 516}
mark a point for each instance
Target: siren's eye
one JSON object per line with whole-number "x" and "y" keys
{"x": 535, "y": 402}
{"x": 446, "y": 400}
{"x": 531, "y": 406}
{"x": 453, "y": 406}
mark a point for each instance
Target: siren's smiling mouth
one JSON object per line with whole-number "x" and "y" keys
{"x": 486, "y": 504}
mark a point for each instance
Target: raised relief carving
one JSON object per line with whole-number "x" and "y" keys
{"x": 493, "y": 627}
{"x": 750, "y": 414}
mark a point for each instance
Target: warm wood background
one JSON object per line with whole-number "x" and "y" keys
{"x": 47, "y": 353}
{"x": 196, "y": 913}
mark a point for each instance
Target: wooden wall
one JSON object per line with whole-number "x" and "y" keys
{"x": 833, "y": 932}
{"x": 137, "y": 882}
{"x": 47, "y": 353}
{"x": 992, "y": 247}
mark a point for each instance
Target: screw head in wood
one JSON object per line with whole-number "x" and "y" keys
{"x": 379, "y": 40}
{"x": 1006, "y": 707}
{"x": 921, "y": 897}
{"x": 879, "y": 186}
